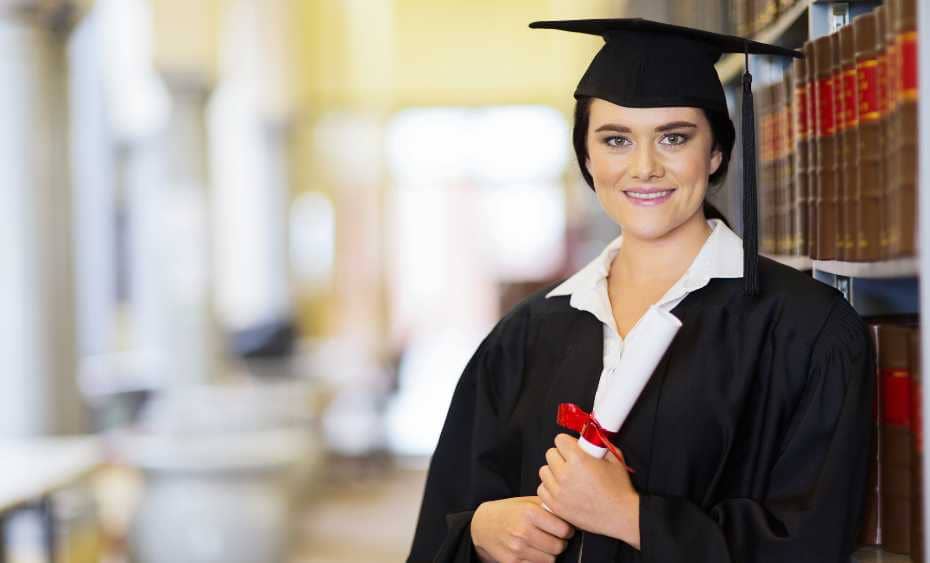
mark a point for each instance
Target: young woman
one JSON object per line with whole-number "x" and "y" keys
{"x": 748, "y": 444}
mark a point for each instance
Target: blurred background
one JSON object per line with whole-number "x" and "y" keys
{"x": 247, "y": 247}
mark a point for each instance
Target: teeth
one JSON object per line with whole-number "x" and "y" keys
{"x": 653, "y": 195}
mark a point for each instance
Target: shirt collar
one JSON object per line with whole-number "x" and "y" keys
{"x": 721, "y": 256}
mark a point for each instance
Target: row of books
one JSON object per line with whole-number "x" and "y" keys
{"x": 894, "y": 517}
{"x": 749, "y": 17}
{"x": 838, "y": 143}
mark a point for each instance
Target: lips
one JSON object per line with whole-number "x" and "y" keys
{"x": 648, "y": 196}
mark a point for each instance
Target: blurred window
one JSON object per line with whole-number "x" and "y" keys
{"x": 476, "y": 199}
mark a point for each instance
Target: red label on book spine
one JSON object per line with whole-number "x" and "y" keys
{"x": 851, "y": 100}
{"x": 881, "y": 83}
{"x": 825, "y": 122}
{"x": 839, "y": 109}
{"x": 891, "y": 75}
{"x": 868, "y": 90}
{"x": 917, "y": 415}
{"x": 800, "y": 102}
{"x": 907, "y": 74}
{"x": 896, "y": 398}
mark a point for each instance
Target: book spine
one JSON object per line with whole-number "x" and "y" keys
{"x": 840, "y": 200}
{"x": 852, "y": 209}
{"x": 786, "y": 227}
{"x": 895, "y": 439}
{"x": 884, "y": 137}
{"x": 892, "y": 139}
{"x": 825, "y": 141}
{"x": 812, "y": 175}
{"x": 777, "y": 200}
{"x": 801, "y": 140}
{"x": 870, "y": 173}
{"x": 906, "y": 130}
{"x": 871, "y": 531}
{"x": 918, "y": 544}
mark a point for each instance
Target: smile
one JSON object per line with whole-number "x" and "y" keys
{"x": 649, "y": 198}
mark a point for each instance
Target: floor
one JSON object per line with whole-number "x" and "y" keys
{"x": 381, "y": 498}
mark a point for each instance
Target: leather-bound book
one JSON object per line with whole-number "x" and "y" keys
{"x": 870, "y": 139}
{"x": 825, "y": 141}
{"x": 871, "y": 532}
{"x": 763, "y": 119}
{"x": 903, "y": 239}
{"x": 777, "y": 100}
{"x": 888, "y": 67}
{"x": 850, "y": 143}
{"x": 786, "y": 144}
{"x": 918, "y": 544}
{"x": 839, "y": 112}
{"x": 811, "y": 220}
{"x": 884, "y": 136}
{"x": 802, "y": 133}
{"x": 895, "y": 438}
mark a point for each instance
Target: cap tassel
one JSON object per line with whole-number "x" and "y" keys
{"x": 750, "y": 203}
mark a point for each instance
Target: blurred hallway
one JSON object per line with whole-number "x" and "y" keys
{"x": 384, "y": 504}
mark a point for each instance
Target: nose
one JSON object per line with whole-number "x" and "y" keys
{"x": 645, "y": 165}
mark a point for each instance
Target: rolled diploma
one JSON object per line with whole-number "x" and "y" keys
{"x": 644, "y": 348}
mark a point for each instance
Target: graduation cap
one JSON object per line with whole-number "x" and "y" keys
{"x": 651, "y": 64}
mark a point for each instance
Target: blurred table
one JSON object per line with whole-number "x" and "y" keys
{"x": 34, "y": 468}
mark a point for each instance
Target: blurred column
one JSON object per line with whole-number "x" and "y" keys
{"x": 167, "y": 184}
{"x": 171, "y": 281}
{"x": 37, "y": 290}
{"x": 252, "y": 133}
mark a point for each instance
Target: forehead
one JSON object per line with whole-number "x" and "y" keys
{"x": 603, "y": 111}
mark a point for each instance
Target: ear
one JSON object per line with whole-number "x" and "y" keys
{"x": 716, "y": 158}
{"x": 587, "y": 164}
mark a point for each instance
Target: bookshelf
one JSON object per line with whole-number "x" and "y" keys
{"x": 796, "y": 262}
{"x": 884, "y": 288}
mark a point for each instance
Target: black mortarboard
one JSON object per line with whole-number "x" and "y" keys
{"x": 650, "y": 64}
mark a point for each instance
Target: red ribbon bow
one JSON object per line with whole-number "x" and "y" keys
{"x": 573, "y": 417}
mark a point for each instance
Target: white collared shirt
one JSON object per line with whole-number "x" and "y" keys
{"x": 720, "y": 257}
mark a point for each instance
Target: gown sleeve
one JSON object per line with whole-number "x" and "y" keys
{"x": 473, "y": 461}
{"x": 815, "y": 497}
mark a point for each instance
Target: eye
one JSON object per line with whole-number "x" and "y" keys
{"x": 675, "y": 139}
{"x": 616, "y": 141}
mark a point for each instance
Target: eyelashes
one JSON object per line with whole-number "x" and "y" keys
{"x": 669, "y": 139}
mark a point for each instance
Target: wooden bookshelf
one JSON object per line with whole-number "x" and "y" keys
{"x": 877, "y": 555}
{"x": 731, "y": 66}
{"x": 797, "y": 262}
{"x": 898, "y": 268}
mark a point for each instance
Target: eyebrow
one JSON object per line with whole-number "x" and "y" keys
{"x": 624, "y": 129}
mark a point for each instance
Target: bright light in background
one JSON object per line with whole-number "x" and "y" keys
{"x": 476, "y": 200}
{"x": 518, "y": 144}
{"x": 524, "y": 229}
{"x": 138, "y": 101}
{"x": 313, "y": 239}
{"x": 429, "y": 145}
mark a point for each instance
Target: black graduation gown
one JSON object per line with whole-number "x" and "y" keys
{"x": 749, "y": 443}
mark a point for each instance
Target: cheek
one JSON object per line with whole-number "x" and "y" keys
{"x": 604, "y": 166}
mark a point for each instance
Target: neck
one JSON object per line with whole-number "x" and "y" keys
{"x": 642, "y": 261}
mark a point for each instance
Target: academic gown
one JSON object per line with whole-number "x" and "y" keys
{"x": 749, "y": 443}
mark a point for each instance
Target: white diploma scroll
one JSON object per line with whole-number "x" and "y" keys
{"x": 643, "y": 351}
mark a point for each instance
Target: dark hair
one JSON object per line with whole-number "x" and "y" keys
{"x": 721, "y": 127}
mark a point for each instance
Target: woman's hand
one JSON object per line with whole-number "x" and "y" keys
{"x": 518, "y": 529}
{"x": 591, "y": 494}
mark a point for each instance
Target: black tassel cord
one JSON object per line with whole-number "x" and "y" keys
{"x": 750, "y": 203}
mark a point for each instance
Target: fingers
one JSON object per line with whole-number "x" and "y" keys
{"x": 552, "y": 525}
{"x": 567, "y": 446}
{"x": 555, "y": 461}
{"x": 548, "y": 478}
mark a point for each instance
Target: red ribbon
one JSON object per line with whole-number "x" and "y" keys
{"x": 573, "y": 417}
